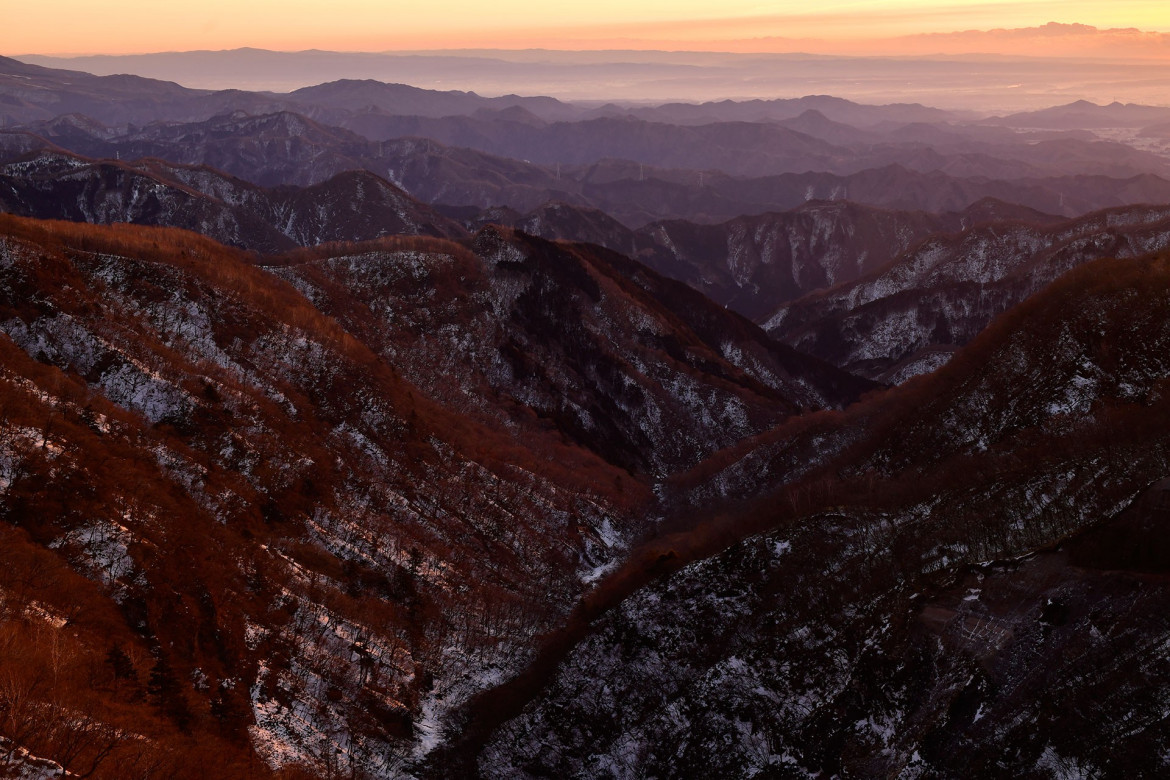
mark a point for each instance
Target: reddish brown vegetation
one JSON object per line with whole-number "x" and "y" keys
{"x": 219, "y": 516}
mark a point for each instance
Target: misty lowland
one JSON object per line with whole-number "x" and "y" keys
{"x": 363, "y": 429}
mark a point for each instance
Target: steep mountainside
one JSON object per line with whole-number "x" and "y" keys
{"x": 351, "y": 206}
{"x": 908, "y": 317}
{"x": 275, "y": 527}
{"x": 571, "y": 338}
{"x": 750, "y": 264}
{"x": 892, "y": 312}
{"x": 312, "y": 520}
{"x": 931, "y": 601}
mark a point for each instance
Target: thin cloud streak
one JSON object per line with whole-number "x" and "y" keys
{"x": 372, "y": 25}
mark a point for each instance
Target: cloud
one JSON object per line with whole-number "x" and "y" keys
{"x": 1053, "y": 40}
{"x": 1059, "y": 40}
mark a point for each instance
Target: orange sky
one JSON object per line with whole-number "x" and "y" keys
{"x": 830, "y": 26}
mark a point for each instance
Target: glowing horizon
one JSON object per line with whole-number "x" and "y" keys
{"x": 72, "y": 27}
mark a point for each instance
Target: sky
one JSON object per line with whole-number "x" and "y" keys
{"x": 824, "y": 26}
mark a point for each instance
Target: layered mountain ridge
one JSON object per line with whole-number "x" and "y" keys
{"x": 419, "y": 434}
{"x": 363, "y": 455}
{"x": 708, "y": 162}
{"x": 946, "y": 613}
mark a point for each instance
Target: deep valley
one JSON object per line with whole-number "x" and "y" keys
{"x": 371, "y": 431}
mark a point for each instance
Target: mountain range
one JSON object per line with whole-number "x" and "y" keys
{"x": 364, "y": 430}
{"x": 1105, "y": 64}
